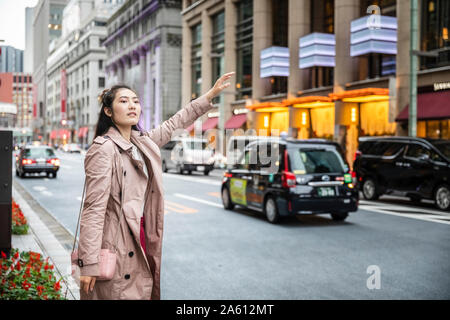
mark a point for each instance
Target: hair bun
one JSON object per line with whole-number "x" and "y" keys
{"x": 102, "y": 95}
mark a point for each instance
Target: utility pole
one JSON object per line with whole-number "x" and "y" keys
{"x": 414, "y": 53}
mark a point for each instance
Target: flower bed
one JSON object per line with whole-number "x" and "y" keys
{"x": 19, "y": 222}
{"x": 26, "y": 276}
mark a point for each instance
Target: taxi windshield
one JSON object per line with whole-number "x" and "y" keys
{"x": 309, "y": 161}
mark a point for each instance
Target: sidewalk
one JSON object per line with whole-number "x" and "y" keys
{"x": 40, "y": 239}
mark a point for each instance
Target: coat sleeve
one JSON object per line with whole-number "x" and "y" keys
{"x": 98, "y": 165}
{"x": 180, "y": 120}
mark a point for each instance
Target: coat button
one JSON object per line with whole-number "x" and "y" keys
{"x": 127, "y": 276}
{"x": 130, "y": 254}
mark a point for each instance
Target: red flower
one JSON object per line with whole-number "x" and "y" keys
{"x": 26, "y": 285}
{"x": 16, "y": 255}
{"x": 51, "y": 267}
{"x": 46, "y": 267}
{"x": 57, "y": 286}
{"x": 3, "y": 255}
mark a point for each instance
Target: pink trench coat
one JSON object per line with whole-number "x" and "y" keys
{"x": 111, "y": 170}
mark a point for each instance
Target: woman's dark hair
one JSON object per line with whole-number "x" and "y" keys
{"x": 106, "y": 99}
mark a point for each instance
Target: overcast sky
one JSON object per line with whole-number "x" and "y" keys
{"x": 12, "y": 22}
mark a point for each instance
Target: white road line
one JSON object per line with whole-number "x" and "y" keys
{"x": 388, "y": 206}
{"x": 39, "y": 188}
{"x": 198, "y": 200}
{"x": 422, "y": 217}
{"x": 192, "y": 179}
{"x": 47, "y": 193}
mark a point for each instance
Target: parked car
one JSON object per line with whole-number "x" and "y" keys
{"x": 282, "y": 177}
{"x": 413, "y": 167}
{"x": 187, "y": 154}
{"x": 37, "y": 159}
{"x": 71, "y": 148}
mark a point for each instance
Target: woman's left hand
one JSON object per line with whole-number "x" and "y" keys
{"x": 219, "y": 86}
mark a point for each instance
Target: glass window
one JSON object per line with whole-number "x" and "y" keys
{"x": 197, "y": 145}
{"x": 443, "y": 147}
{"x": 435, "y": 32}
{"x": 196, "y": 61}
{"x": 416, "y": 151}
{"x": 39, "y": 153}
{"x": 316, "y": 161}
{"x": 244, "y": 45}
{"x": 393, "y": 149}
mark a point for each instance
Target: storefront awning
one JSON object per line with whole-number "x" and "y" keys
{"x": 430, "y": 105}
{"x": 53, "y": 134}
{"x": 268, "y": 107}
{"x": 362, "y": 95}
{"x": 236, "y": 121}
{"x": 63, "y": 134}
{"x": 309, "y": 102}
{"x": 210, "y": 123}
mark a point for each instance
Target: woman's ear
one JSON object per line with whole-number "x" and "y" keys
{"x": 107, "y": 111}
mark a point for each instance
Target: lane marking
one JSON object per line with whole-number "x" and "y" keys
{"x": 192, "y": 179}
{"x": 179, "y": 208}
{"x": 214, "y": 194}
{"x": 39, "y": 188}
{"x": 198, "y": 200}
{"x": 422, "y": 217}
{"x": 405, "y": 208}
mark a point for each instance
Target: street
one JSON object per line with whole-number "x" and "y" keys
{"x": 212, "y": 253}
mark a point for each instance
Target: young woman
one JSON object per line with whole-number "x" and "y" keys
{"x": 124, "y": 205}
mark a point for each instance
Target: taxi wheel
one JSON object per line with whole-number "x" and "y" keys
{"x": 164, "y": 167}
{"x": 226, "y": 199}
{"x": 271, "y": 210}
{"x": 206, "y": 172}
{"x": 339, "y": 216}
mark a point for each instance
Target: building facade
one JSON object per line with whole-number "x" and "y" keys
{"x": 47, "y": 26}
{"x": 76, "y": 72}
{"x": 28, "y": 52}
{"x": 16, "y": 104}
{"x": 143, "y": 47}
{"x": 11, "y": 59}
{"x": 327, "y": 69}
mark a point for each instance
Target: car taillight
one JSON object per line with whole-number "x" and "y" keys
{"x": 357, "y": 154}
{"x": 28, "y": 161}
{"x": 288, "y": 179}
{"x": 228, "y": 175}
{"x": 353, "y": 173}
{"x": 54, "y": 161}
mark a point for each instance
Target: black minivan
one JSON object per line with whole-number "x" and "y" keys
{"x": 413, "y": 167}
{"x": 281, "y": 177}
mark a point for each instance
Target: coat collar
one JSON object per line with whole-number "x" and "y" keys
{"x": 118, "y": 139}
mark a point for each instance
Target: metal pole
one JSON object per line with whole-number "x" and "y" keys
{"x": 412, "y": 123}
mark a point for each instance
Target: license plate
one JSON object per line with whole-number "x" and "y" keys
{"x": 326, "y": 192}
{"x": 200, "y": 168}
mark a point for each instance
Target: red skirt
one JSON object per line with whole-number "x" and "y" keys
{"x": 142, "y": 234}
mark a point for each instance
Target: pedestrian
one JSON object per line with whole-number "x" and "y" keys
{"x": 124, "y": 204}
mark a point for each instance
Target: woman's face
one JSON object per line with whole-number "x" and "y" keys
{"x": 127, "y": 108}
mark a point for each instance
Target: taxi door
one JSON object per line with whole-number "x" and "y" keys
{"x": 241, "y": 181}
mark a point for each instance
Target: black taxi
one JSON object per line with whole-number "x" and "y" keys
{"x": 282, "y": 177}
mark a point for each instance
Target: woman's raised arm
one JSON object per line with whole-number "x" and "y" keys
{"x": 189, "y": 113}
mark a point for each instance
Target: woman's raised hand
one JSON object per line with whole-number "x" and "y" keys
{"x": 219, "y": 86}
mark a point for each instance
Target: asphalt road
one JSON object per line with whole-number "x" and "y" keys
{"x": 211, "y": 253}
